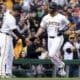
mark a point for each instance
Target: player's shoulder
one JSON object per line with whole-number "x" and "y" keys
{"x": 9, "y": 17}
{"x": 61, "y": 15}
{"x": 6, "y": 12}
{"x": 46, "y": 16}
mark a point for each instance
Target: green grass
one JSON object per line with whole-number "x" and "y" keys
{"x": 40, "y": 79}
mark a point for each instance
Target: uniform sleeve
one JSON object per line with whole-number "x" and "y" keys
{"x": 65, "y": 21}
{"x": 43, "y": 23}
{"x": 11, "y": 24}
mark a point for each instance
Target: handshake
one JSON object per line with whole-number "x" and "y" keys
{"x": 29, "y": 40}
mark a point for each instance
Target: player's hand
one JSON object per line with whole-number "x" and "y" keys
{"x": 28, "y": 42}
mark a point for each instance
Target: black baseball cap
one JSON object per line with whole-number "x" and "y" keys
{"x": 17, "y": 7}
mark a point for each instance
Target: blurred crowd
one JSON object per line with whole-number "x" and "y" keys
{"x": 29, "y": 22}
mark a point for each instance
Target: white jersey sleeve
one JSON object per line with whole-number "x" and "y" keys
{"x": 64, "y": 22}
{"x": 43, "y": 22}
{"x": 11, "y": 24}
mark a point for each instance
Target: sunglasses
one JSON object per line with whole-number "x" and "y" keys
{"x": 71, "y": 37}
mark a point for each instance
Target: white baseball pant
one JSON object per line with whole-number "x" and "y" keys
{"x": 54, "y": 45}
{"x": 6, "y": 54}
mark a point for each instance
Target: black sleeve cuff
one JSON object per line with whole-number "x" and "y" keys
{"x": 20, "y": 36}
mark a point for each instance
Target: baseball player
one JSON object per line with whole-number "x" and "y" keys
{"x": 6, "y": 41}
{"x": 55, "y": 23}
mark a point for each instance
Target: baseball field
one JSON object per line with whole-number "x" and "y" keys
{"x": 39, "y": 78}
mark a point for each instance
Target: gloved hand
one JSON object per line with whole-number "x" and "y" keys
{"x": 61, "y": 32}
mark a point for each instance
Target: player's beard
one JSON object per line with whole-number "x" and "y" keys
{"x": 52, "y": 11}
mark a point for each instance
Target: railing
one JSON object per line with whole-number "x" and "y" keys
{"x": 38, "y": 61}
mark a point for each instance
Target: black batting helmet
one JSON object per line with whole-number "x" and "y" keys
{"x": 53, "y": 6}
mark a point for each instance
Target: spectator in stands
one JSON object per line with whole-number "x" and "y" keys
{"x": 61, "y": 2}
{"x": 24, "y": 24}
{"x": 26, "y": 4}
{"x": 1, "y": 13}
{"x": 76, "y": 18}
{"x": 71, "y": 51}
{"x": 73, "y": 2}
{"x": 35, "y": 48}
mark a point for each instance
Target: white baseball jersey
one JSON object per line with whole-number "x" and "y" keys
{"x": 9, "y": 23}
{"x": 54, "y": 24}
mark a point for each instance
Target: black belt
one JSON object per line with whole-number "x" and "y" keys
{"x": 5, "y": 33}
{"x": 51, "y": 37}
